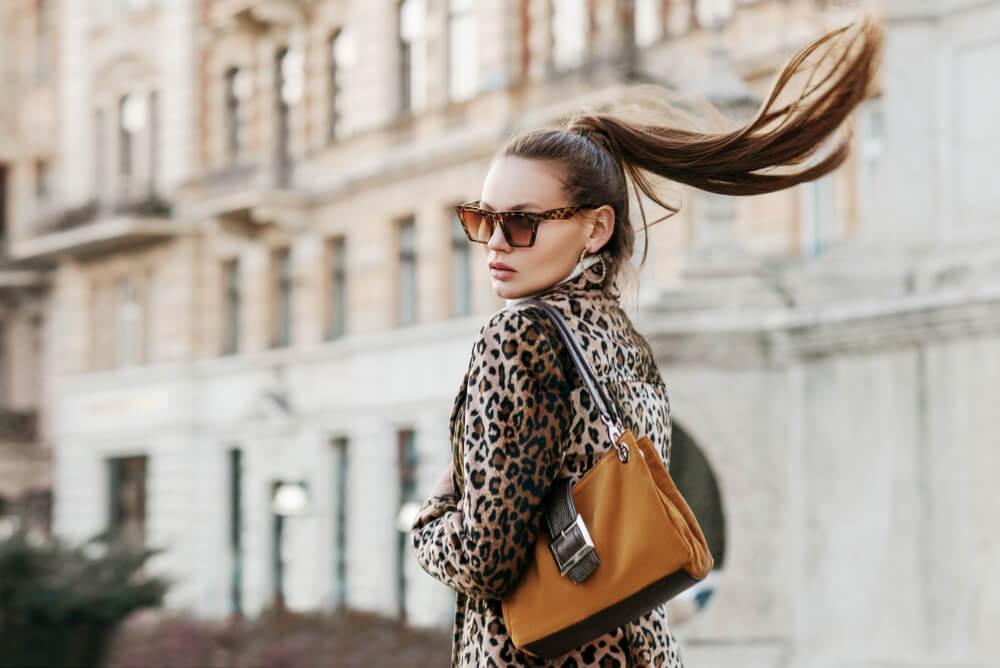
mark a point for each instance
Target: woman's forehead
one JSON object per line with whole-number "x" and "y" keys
{"x": 512, "y": 181}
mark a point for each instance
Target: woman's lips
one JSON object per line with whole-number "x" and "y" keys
{"x": 501, "y": 274}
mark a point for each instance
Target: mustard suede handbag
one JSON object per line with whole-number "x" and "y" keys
{"x": 620, "y": 541}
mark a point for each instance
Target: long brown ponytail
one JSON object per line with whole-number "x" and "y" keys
{"x": 599, "y": 150}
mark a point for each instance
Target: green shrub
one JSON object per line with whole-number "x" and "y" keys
{"x": 59, "y": 603}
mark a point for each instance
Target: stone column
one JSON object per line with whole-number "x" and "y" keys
{"x": 429, "y": 601}
{"x": 719, "y": 270}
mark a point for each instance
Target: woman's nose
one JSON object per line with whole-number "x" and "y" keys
{"x": 497, "y": 240}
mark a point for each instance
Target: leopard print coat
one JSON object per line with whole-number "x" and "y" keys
{"x": 522, "y": 417}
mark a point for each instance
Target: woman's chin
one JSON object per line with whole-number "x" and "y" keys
{"x": 502, "y": 292}
{"x": 505, "y": 290}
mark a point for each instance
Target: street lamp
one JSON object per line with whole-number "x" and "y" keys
{"x": 407, "y": 515}
{"x": 134, "y": 113}
{"x": 289, "y": 498}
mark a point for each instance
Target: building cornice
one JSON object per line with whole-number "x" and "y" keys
{"x": 922, "y": 10}
{"x": 781, "y": 337}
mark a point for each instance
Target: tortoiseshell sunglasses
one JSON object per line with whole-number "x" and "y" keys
{"x": 519, "y": 227}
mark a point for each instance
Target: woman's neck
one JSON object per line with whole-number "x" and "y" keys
{"x": 580, "y": 266}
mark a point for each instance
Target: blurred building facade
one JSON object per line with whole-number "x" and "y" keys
{"x": 28, "y": 148}
{"x": 237, "y": 297}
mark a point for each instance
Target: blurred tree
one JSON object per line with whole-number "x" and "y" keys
{"x": 60, "y": 603}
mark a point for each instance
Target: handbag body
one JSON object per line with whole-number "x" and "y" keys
{"x": 620, "y": 540}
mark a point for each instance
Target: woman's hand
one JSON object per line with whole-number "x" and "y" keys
{"x": 444, "y": 485}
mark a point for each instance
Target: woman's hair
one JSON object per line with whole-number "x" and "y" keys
{"x": 597, "y": 151}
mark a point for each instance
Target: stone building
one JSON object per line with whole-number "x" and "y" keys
{"x": 259, "y": 303}
{"x": 29, "y": 122}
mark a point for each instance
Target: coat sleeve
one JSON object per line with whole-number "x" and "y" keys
{"x": 517, "y": 415}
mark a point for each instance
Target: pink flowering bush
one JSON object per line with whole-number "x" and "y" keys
{"x": 346, "y": 639}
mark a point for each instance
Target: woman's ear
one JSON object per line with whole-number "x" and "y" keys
{"x": 604, "y": 226}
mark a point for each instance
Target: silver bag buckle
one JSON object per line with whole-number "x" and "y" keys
{"x": 575, "y": 541}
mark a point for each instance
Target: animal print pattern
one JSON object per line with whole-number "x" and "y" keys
{"x": 521, "y": 418}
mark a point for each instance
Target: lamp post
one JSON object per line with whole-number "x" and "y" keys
{"x": 289, "y": 498}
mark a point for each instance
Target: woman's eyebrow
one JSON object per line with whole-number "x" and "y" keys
{"x": 516, "y": 207}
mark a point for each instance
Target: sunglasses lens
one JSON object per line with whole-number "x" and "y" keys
{"x": 477, "y": 226}
{"x": 519, "y": 229}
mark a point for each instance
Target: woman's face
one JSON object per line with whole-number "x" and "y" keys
{"x": 523, "y": 184}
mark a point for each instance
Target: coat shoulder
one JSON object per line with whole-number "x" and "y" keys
{"x": 516, "y": 344}
{"x": 510, "y": 319}
{"x": 513, "y": 329}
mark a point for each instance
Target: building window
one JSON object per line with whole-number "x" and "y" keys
{"x": 127, "y": 318}
{"x": 871, "y": 139}
{"x": 124, "y": 140}
{"x": 235, "y": 464}
{"x": 281, "y": 334}
{"x": 288, "y": 90}
{"x": 336, "y": 264}
{"x": 407, "y": 271}
{"x": 101, "y": 315}
{"x": 232, "y": 297}
{"x": 333, "y": 84}
{"x": 461, "y": 272}
{"x": 463, "y": 50}
{"x": 135, "y": 147}
{"x": 649, "y": 22}
{"x": 37, "y": 351}
{"x": 100, "y": 155}
{"x": 288, "y": 76}
{"x": 411, "y": 19}
{"x": 569, "y": 33}
{"x": 818, "y": 215}
{"x": 154, "y": 138}
{"x": 407, "y": 461}
{"x": 43, "y": 180}
{"x": 3, "y": 202}
{"x": 43, "y": 39}
{"x": 341, "y": 466}
{"x": 234, "y": 82}
{"x": 127, "y": 495}
{"x": 340, "y": 57}
{"x": 148, "y": 309}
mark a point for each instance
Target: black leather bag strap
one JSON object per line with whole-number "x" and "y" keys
{"x": 608, "y": 409}
{"x": 571, "y": 544}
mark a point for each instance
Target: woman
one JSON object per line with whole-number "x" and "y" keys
{"x": 522, "y": 418}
